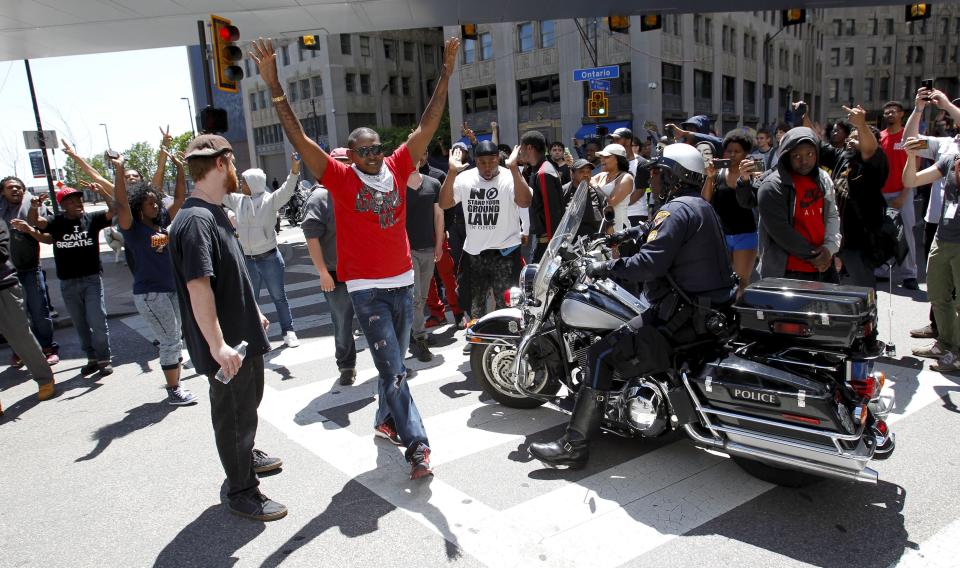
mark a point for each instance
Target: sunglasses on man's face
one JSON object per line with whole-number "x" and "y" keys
{"x": 365, "y": 151}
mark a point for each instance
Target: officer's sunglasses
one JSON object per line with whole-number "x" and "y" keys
{"x": 365, "y": 151}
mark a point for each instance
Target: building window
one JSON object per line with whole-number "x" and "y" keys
{"x": 838, "y": 28}
{"x": 868, "y": 90}
{"x": 365, "y": 46}
{"x": 708, "y": 31}
{"x": 887, "y": 55}
{"x": 874, "y": 26}
{"x": 292, "y": 91}
{"x": 847, "y": 93}
{"x": 548, "y": 33}
{"x": 480, "y": 99}
{"x": 486, "y": 46}
{"x": 392, "y": 84}
{"x": 408, "y": 51}
{"x": 746, "y": 46}
{"x": 834, "y": 90}
{"x": 364, "y": 84}
{"x": 345, "y": 44}
{"x": 749, "y": 96}
{"x": 305, "y": 88}
{"x": 538, "y": 90}
{"x": 672, "y": 77}
{"x": 525, "y": 37}
{"x": 428, "y": 53}
{"x": 848, "y": 55}
{"x": 942, "y": 54}
{"x": 285, "y": 55}
{"x": 889, "y": 26}
{"x": 729, "y": 85}
{"x": 871, "y": 56}
{"x": 469, "y": 51}
{"x": 262, "y": 95}
{"x": 317, "y": 86}
{"x": 956, "y": 52}
{"x": 835, "y": 56}
{"x": 944, "y": 26}
{"x": 246, "y": 67}
{"x": 388, "y": 49}
{"x": 725, "y": 38}
{"x": 884, "y": 88}
{"x": 405, "y": 86}
{"x": 796, "y": 63}
{"x": 851, "y": 27}
{"x": 253, "y": 101}
{"x": 702, "y": 84}
{"x": 698, "y": 28}
{"x": 350, "y": 82}
{"x": 625, "y": 85}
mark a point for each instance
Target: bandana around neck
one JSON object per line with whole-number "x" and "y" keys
{"x": 382, "y": 182}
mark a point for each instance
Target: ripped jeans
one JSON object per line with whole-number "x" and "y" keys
{"x": 385, "y": 315}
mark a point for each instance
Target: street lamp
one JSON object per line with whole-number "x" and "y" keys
{"x": 107, "y": 132}
{"x": 190, "y": 111}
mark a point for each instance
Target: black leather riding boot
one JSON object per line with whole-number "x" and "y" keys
{"x": 573, "y": 449}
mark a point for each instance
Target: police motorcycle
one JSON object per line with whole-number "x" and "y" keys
{"x": 789, "y": 393}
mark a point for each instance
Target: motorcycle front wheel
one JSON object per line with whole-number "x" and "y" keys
{"x": 492, "y": 366}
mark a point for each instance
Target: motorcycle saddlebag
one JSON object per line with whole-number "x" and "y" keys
{"x": 740, "y": 386}
{"x": 807, "y": 313}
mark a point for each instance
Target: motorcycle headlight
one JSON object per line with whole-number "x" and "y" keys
{"x": 527, "y": 276}
{"x": 513, "y": 297}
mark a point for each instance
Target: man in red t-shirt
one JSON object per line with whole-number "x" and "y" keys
{"x": 898, "y": 196}
{"x": 373, "y": 253}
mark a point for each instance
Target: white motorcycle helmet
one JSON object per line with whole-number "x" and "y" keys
{"x": 680, "y": 165}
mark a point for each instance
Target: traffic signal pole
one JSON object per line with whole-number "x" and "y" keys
{"x": 204, "y": 56}
{"x": 43, "y": 141}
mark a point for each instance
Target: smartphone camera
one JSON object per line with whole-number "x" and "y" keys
{"x": 721, "y": 163}
{"x": 110, "y": 155}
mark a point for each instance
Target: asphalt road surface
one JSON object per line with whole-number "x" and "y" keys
{"x": 108, "y": 474}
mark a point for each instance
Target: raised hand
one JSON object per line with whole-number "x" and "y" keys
{"x": 67, "y": 148}
{"x": 178, "y": 160}
{"x": 514, "y": 156}
{"x": 857, "y": 116}
{"x": 450, "y": 48}
{"x": 167, "y": 139}
{"x": 38, "y": 200}
{"x": 118, "y": 164}
{"x": 20, "y": 226}
{"x": 468, "y": 132}
{"x": 262, "y": 53}
{"x": 457, "y": 161}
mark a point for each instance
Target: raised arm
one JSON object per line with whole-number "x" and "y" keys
{"x": 125, "y": 215}
{"x": 430, "y": 121}
{"x": 87, "y": 168}
{"x": 910, "y": 176}
{"x": 868, "y": 142}
{"x": 280, "y": 197}
{"x": 107, "y": 196}
{"x": 157, "y": 181}
{"x": 456, "y": 165}
{"x": 310, "y": 152}
{"x": 33, "y": 215}
{"x": 911, "y": 129}
{"x": 522, "y": 194}
{"x": 22, "y": 226}
{"x": 942, "y": 102}
{"x": 180, "y": 190}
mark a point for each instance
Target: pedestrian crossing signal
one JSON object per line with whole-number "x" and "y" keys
{"x": 650, "y": 22}
{"x": 597, "y": 105}
{"x": 469, "y": 31}
{"x": 916, "y": 12}
{"x": 619, "y": 24}
{"x": 310, "y": 42}
{"x": 794, "y": 16}
{"x": 226, "y": 54}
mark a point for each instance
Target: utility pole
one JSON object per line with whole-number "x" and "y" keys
{"x": 43, "y": 142}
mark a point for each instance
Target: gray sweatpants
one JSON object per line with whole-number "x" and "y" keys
{"x": 15, "y": 326}
{"x": 423, "y": 262}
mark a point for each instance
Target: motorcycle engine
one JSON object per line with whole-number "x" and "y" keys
{"x": 641, "y": 407}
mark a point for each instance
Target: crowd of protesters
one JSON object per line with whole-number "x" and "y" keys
{"x": 397, "y": 242}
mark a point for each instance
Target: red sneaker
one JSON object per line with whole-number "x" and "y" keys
{"x": 388, "y": 432}
{"x": 420, "y": 462}
{"x": 434, "y": 321}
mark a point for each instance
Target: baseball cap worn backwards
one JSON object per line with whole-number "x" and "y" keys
{"x": 206, "y": 146}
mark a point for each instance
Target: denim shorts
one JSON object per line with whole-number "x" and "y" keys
{"x": 743, "y": 241}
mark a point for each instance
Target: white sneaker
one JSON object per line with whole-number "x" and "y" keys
{"x": 290, "y": 339}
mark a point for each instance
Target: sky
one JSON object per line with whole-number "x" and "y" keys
{"x": 133, "y": 92}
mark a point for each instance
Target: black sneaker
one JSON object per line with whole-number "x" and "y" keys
{"x": 348, "y": 377}
{"x": 420, "y": 350}
{"x": 911, "y": 284}
{"x": 179, "y": 396}
{"x": 105, "y": 369}
{"x": 90, "y": 368}
{"x": 419, "y": 460}
{"x": 257, "y": 506}
{"x": 262, "y": 463}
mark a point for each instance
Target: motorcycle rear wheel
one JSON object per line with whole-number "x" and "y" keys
{"x": 776, "y": 475}
{"x": 492, "y": 367}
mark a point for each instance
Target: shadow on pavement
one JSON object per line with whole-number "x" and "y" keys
{"x": 335, "y": 417}
{"x": 357, "y": 510}
{"x": 210, "y": 540}
{"x": 14, "y": 411}
{"x": 137, "y": 418}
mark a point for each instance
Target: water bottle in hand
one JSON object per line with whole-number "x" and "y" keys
{"x": 242, "y": 351}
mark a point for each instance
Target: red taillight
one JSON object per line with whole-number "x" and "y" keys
{"x": 881, "y": 427}
{"x": 869, "y": 386}
{"x": 804, "y": 419}
{"x": 791, "y": 328}
{"x": 868, "y": 329}
{"x": 506, "y": 297}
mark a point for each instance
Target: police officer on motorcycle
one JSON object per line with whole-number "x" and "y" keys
{"x": 689, "y": 282}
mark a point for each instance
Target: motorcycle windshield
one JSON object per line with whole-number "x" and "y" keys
{"x": 564, "y": 234}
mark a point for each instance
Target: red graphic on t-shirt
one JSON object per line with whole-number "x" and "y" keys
{"x": 807, "y": 219}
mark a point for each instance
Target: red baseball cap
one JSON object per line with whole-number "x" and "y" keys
{"x": 66, "y": 192}
{"x": 339, "y": 154}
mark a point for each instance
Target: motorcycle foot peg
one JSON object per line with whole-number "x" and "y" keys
{"x": 890, "y": 350}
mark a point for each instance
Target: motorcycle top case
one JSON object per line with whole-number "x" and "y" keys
{"x": 808, "y": 313}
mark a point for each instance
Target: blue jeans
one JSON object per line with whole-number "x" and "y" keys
{"x": 341, "y": 312}
{"x": 35, "y": 294}
{"x": 84, "y": 300}
{"x": 385, "y": 316}
{"x": 268, "y": 269}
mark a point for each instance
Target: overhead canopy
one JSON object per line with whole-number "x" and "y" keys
{"x": 31, "y": 28}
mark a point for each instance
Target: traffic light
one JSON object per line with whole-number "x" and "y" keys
{"x": 916, "y": 12}
{"x": 650, "y": 22}
{"x": 469, "y": 31}
{"x": 597, "y": 105}
{"x": 213, "y": 120}
{"x": 619, "y": 24}
{"x": 226, "y": 54}
{"x": 310, "y": 42}
{"x": 793, "y": 16}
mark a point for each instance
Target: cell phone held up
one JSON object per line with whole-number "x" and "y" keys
{"x": 926, "y": 85}
{"x": 110, "y": 155}
{"x": 721, "y": 163}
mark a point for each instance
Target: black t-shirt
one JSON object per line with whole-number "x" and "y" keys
{"x": 204, "y": 243}
{"x": 76, "y": 244}
{"x": 420, "y": 202}
{"x": 735, "y": 218}
{"x": 858, "y": 185}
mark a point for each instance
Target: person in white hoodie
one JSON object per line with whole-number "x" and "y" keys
{"x": 256, "y": 216}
